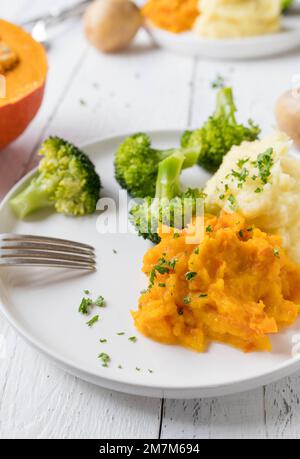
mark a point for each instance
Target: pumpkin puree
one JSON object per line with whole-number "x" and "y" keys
{"x": 236, "y": 287}
{"x": 172, "y": 15}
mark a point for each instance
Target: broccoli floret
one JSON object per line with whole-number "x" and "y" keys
{"x": 285, "y": 4}
{"x": 136, "y": 164}
{"x": 220, "y": 132}
{"x": 66, "y": 180}
{"x": 170, "y": 206}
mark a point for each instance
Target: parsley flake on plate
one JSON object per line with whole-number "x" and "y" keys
{"x": 85, "y": 304}
{"x": 105, "y": 359}
{"x": 133, "y": 339}
{"x": 93, "y": 320}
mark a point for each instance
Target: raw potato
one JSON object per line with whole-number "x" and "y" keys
{"x": 288, "y": 115}
{"x": 110, "y": 25}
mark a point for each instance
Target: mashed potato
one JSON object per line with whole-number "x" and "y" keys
{"x": 259, "y": 180}
{"x": 237, "y": 18}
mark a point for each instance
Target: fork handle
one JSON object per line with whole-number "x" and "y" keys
{"x": 56, "y": 17}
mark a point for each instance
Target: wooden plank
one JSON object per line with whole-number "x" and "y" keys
{"x": 142, "y": 89}
{"x": 283, "y": 408}
{"x": 37, "y": 400}
{"x": 13, "y": 10}
{"x": 237, "y": 416}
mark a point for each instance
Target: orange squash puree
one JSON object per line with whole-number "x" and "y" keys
{"x": 236, "y": 287}
{"x": 173, "y": 15}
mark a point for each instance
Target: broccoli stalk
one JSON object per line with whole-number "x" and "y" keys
{"x": 66, "y": 181}
{"x": 136, "y": 164}
{"x": 285, "y": 4}
{"x": 169, "y": 170}
{"x": 220, "y": 132}
{"x": 35, "y": 196}
{"x": 170, "y": 206}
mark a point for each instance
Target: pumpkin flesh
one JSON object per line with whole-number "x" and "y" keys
{"x": 25, "y": 75}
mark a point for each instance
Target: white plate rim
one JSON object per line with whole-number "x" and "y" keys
{"x": 163, "y": 38}
{"x": 155, "y": 390}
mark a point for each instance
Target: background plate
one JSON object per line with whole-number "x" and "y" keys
{"x": 42, "y": 305}
{"x": 239, "y": 48}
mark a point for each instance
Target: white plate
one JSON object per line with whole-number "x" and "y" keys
{"x": 190, "y": 44}
{"x": 42, "y": 305}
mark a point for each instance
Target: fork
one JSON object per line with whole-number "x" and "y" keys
{"x": 38, "y": 26}
{"x": 21, "y": 250}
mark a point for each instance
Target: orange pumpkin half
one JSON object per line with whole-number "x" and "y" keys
{"x": 23, "y": 71}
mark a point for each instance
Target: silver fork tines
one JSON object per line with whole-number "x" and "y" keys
{"x": 21, "y": 250}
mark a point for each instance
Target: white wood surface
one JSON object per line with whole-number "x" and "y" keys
{"x": 144, "y": 88}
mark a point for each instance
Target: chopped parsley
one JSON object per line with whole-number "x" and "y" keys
{"x": 133, "y": 339}
{"x": 86, "y": 292}
{"x": 100, "y": 302}
{"x": 137, "y": 369}
{"x": 172, "y": 263}
{"x": 162, "y": 267}
{"x": 103, "y": 340}
{"x": 240, "y": 176}
{"x": 176, "y": 235}
{"x": 85, "y": 305}
{"x": 218, "y": 82}
{"x": 258, "y": 190}
{"x": 276, "y": 252}
{"x": 232, "y": 201}
{"x": 114, "y": 251}
{"x": 241, "y": 233}
{"x": 242, "y": 162}
{"x": 264, "y": 163}
{"x": 121, "y": 333}
{"x": 105, "y": 359}
{"x": 209, "y": 229}
{"x": 202, "y": 295}
{"x": 150, "y": 371}
{"x": 196, "y": 251}
{"x": 187, "y": 300}
{"x": 93, "y": 320}
{"x": 120, "y": 367}
{"x": 162, "y": 285}
{"x": 190, "y": 275}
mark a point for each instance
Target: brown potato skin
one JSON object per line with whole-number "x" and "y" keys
{"x": 288, "y": 115}
{"x": 110, "y": 25}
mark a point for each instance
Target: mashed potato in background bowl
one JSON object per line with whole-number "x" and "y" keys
{"x": 262, "y": 182}
{"x": 238, "y": 18}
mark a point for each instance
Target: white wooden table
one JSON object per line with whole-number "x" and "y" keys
{"x": 145, "y": 88}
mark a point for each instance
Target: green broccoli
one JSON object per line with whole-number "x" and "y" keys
{"x": 136, "y": 164}
{"x": 285, "y": 4}
{"x": 66, "y": 180}
{"x": 170, "y": 206}
{"x": 220, "y": 132}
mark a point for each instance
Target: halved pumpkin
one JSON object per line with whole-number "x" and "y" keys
{"x": 23, "y": 65}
